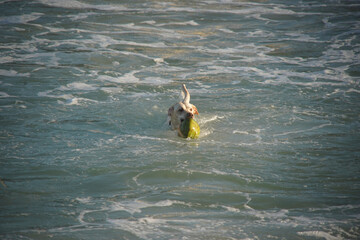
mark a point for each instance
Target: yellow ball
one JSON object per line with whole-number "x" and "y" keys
{"x": 189, "y": 128}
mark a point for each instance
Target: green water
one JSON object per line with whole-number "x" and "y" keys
{"x": 85, "y": 150}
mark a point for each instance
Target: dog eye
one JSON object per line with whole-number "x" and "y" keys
{"x": 181, "y": 110}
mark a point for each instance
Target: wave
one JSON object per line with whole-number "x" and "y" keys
{"x": 20, "y": 19}
{"x": 319, "y": 234}
{"x": 12, "y": 73}
{"x": 73, "y": 4}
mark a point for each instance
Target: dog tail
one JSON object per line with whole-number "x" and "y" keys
{"x": 186, "y": 95}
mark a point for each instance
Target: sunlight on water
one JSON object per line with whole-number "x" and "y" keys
{"x": 86, "y": 152}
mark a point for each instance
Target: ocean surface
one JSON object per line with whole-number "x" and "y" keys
{"x": 85, "y": 150}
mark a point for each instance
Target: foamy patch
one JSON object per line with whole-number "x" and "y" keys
{"x": 126, "y": 78}
{"x": 104, "y": 41}
{"x": 25, "y": 18}
{"x": 151, "y": 227}
{"x": 80, "y": 86}
{"x": 248, "y": 179}
{"x": 142, "y": 228}
{"x": 150, "y": 22}
{"x": 269, "y": 215}
{"x": 225, "y": 30}
{"x": 84, "y": 200}
{"x": 69, "y": 99}
{"x": 47, "y": 59}
{"x": 72, "y": 4}
{"x": 231, "y": 209}
{"x": 150, "y": 45}
{"x": 112, "y": 90}
{"x": 49, "y": 95}
{"x": 155, "y": 81}
{"x": 135, "y": 54}
{"x": 210, "y": 119}
{"x": 12, "y": 73}
{"x": 303, "y": 130}
{"x": 80, "y": 16}
{"x": 319, "y": 234}
{"x": 77, "y": 101}
{"x": 191, "y": 23}
{"x": 115, "y": 63}
{"x": 300, "y": 37}
{"x": 205, "y": 132}
{"x": 240, "y": 132}
{"x": 5, "y": 95}
{"x": 353, "y": 90}
{"x": 227, "y": 208}
{"x": 72, "y": 101}
{"x": 137, "y": 206}
{"x": 159, "y": 60}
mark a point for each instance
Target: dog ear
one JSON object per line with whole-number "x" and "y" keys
{"x": 182, "y": 95}
{"x": 195, "y": 110}
{"x": 185, "y": 93}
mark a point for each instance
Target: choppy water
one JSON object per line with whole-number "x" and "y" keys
{"x": 85, "y": 150}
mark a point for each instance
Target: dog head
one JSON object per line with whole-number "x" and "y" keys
{"x": 181, "y": 110}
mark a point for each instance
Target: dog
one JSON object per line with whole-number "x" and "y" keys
{"x": 178, "y": 112}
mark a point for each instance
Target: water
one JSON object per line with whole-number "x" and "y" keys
{"x": 85, "y": 151}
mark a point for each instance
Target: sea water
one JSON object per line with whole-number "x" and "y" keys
{"x": 85, "y": 150}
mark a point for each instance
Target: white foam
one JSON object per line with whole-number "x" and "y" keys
{"x": 72, "y": 101}
{"x": 300, "y": 37}
{"x": 112, "y": 90}
{"x": 150, "y": 226}
{"x": 249, "y": 11}
{"x": 150, "y": 22}
{"x": 152, "y": 45}
{"x": 303, "y": 130}
{"x": 48, "y": 94}
{"x": 13, "y": 73}
{"x": 137, "y": 206}
{"x": 340, "y": 207}
{"x": 191, "y": 23}
{"x": 210, "y": 119}
{"x": 115, "y": 63}
{"x": 126, "y": 78}
{"x": 135, "y": 54}
{"x": 47, "y": 59}
{"x": 80, "y": 16}
{"x": 319, "y": 234}
{"x": 276, "y": 215}
{"x": 159, "y": 60}
{"x": 260, "y": 33}
{"x": 5, "y": 95}
{"x": 69, "y": 98}
{"x": 353, "y": 90}
{"x": 73, "y": 4}
{"x": 105, "y": 41}
{"x": 155, "y": 81}
{"x": 80, "y": 86}
{"x": 230, "y": 209}
{"x": 25, "y": 18}
{"x": 240, "y": 132}
{"x": 225, "y": 30}
{"x": 164, "y": 32}
{"x": 139, "y": 227}
{"x": 84, "y": 200}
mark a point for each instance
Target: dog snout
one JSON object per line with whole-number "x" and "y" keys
{"x": 190, "y": 115}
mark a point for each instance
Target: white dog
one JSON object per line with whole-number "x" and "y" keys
{"x": 178, "y": 112}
